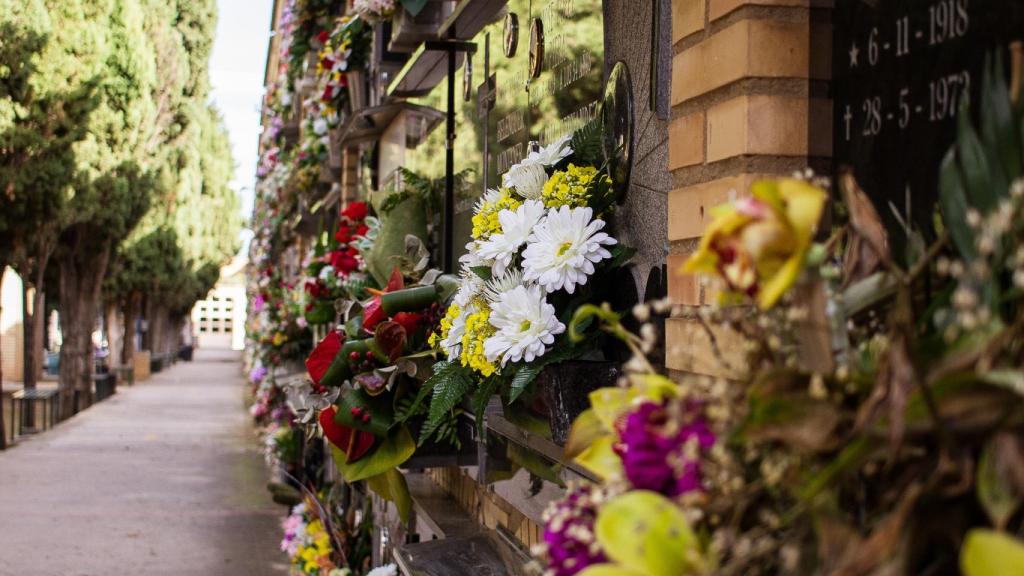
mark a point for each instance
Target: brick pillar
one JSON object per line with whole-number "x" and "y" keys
{"x": 749, "y": 100}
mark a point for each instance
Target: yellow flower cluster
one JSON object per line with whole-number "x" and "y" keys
{"x": 478, "y": 329}
{"x": 318, "y": 554}
{"x": 446, "y": 325}
{"x": 485, "y": 221}
{"x": 573, "y": 186}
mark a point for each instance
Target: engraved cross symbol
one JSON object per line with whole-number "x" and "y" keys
{"x": 847, "y": 117}
{"x": 854, "y": 54}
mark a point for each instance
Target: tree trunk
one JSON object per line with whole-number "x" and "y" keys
{"x": 115, "y": 333}
{"x": 33, "y": 273}
{"x": 81, "y": 278}
{"x": 131, "y": 305}
{"x": 3, "y": 428}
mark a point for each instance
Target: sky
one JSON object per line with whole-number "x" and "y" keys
{"x": 236, "y": 75}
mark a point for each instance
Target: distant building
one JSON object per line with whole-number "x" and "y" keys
{"x": 219, "y": 320}
{"x": 11, "y": 327}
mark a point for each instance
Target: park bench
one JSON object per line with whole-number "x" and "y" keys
{"x": 23, "y": 403}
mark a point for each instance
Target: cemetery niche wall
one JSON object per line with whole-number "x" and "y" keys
{"x": 903, "y": 72}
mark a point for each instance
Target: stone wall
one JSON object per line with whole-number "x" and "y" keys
{"x": 749, "y": 100}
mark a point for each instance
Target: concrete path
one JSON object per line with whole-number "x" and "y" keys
{"x": 165, "y": 478}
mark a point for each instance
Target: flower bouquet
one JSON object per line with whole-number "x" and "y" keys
{"x": 345, "y": 51}
{"x": 374, "y": 11}
{"x": 324, "y": 538}
{"x": 335, "y": 270}
{"x": 539, "y": 250}
{"x": 873, "y": 423}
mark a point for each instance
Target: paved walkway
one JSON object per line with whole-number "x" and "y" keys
{"x": 165, "y": 478}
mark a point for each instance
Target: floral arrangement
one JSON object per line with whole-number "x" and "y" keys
{"x": 537, "y": 247}
{"x": 325, "y": 539}
{"x": 871, "y": 422}
{"x": 374, "y": 11}
{"x": 345, "y": 50}
{"x": 335, "y": 269}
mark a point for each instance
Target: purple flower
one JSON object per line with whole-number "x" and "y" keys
{"x": 258, "y": 303}
{"x": 569, "y": 532}
{"x": 660, "y": 446}
{"x": 258, "y": 374}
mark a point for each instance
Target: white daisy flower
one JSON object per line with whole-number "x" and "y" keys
{"x": 516, "y": 227}
{"x": 527, "y": 178}
{"x": 564, "y": 247}
{"x": 526, "y": 325}
{"x": 320, "y": 126}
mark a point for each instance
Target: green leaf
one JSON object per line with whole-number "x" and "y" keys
{"x": 979, "y": 175}
{"x": 391, "y": 453}
{"x": 588, "y": 144}
{"x": 995, "y": 492}
{"x": 480, "y": 399}
{"x": 649, "y": 533}
{"x": 990, "y": 553}
{"x": 380, "y": 408}
{"x": 953, "y": 204}
{"x": 450, "y": 386}
{"x": 998, "y": 127}
{"x": 391, "y": 486}
{"x": 484, "y": 272}
{"x": 527, "y": 373}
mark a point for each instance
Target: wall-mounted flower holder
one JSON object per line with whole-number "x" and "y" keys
{"x": 409, "y": 31}
{"x": 563, "y": 391}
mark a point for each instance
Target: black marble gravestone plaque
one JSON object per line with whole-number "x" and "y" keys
{"x": 901, "y": 69}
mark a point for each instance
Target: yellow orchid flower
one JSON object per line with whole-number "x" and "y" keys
{"x": 758, "y": 245}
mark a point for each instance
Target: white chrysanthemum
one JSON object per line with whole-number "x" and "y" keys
{"x": 564, "y": 247}
{"x": 389, "y": 570}
{"x": 526, "y": 325}
{"x": 320, "y": 126}
{"x": 516, "y": 227}
{"x": 527, "y": 178}
{"x": 470, "y": 285}
{"x": 472, "y": 257}
{"x": 497, "y": 287}
{"x": 552, "y": 153}
{"x": 327, "y": 272}
{"x": 490, "y": 197}
{"x": 452, "y": 344}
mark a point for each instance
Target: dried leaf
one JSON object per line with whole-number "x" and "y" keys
{"x": 1000, "y": 472}
{"x": 883, "y": 544}
{"x": 869, "y": 242}
{"x": 896, "y": 380}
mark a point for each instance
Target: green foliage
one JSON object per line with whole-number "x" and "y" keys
{"x": 449, "y": 384}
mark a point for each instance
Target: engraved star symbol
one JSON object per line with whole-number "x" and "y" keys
{"x": 854, "y": 54}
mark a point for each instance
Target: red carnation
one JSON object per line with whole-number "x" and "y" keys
{"x": 343, "y": 235}
{"x": 323, "y": 37}
{"x": 356, "y": 211}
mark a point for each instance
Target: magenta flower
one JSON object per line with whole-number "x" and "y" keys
{"x": 569, "y": 532}
{"x": 660, "y": 446}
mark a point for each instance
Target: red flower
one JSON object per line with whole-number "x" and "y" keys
{"x": 343, "y": 235}
{"x": 409, "y": 320}
{"x": 353, "y": 443}
{"x": 320, "y": 360}
{"x": 345, "y": 261}
{"x": 323, "y": 37}
{"x": 356, "y": 211}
